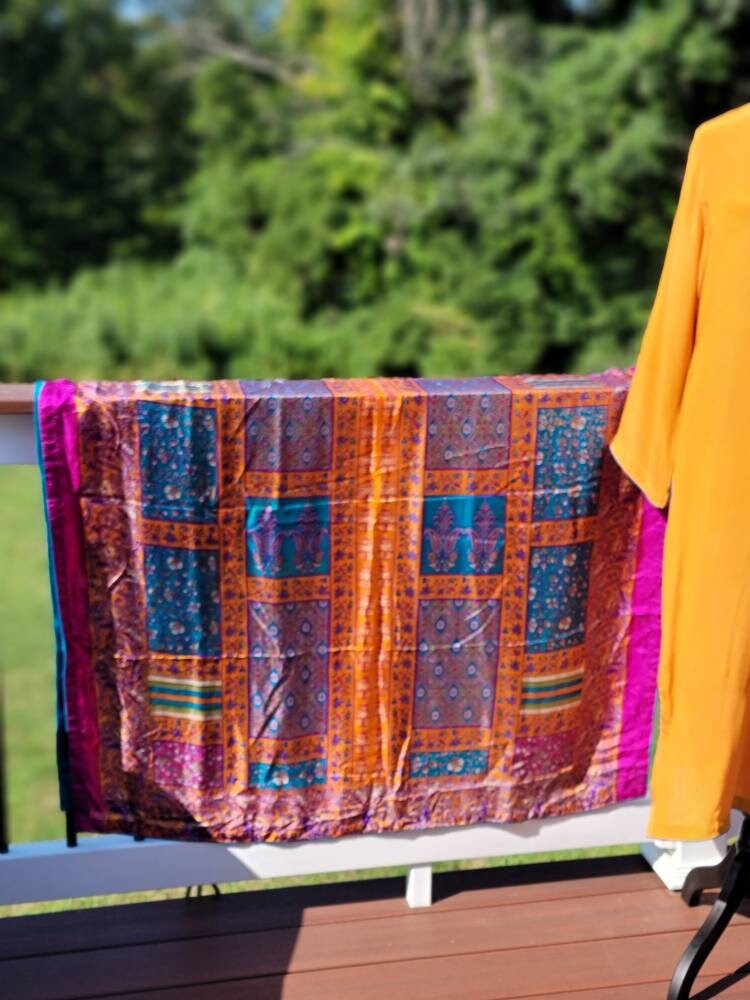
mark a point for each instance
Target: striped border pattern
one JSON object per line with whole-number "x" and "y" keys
{"x": 183, "y": 698}
{"x": 551, "y": 692}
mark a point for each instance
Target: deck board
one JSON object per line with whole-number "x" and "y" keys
{"x": 316, "y": 904}
{"x": 601, "y": 930}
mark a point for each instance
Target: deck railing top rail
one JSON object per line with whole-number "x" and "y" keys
{"x": 16, "y": 398}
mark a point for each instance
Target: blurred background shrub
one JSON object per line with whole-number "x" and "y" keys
{"x": 309, "y": 188}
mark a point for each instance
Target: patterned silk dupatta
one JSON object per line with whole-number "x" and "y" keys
{"x": 288, "y": 610}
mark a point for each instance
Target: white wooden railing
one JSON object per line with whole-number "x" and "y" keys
{"x": 113, "y": 863}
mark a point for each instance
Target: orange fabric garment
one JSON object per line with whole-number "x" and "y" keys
{"x": 683, "y": 439}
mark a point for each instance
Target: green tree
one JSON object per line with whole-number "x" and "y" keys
{"x": 375, "y": 186}
{"x": 94, "y": 138}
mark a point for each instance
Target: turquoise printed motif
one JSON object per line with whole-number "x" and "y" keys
{"x": 463, "y": 534}
{"x": 449, "y": 762}
{"x": 287, "y": 536}
{"x": 298, "y": 775}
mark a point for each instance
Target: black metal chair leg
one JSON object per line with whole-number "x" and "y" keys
{"x": 733, "y": 891}
{"x": 708, "y": 877}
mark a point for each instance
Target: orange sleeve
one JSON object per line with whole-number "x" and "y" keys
{"x": 643, "y": 442}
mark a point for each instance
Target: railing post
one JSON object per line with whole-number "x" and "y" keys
{"x": 71, "y": 837}
{"x": 419, "y": 886}
{"x": 16, "y": 448}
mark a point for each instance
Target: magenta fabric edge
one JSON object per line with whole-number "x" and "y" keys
{"x": 643, "y": 655}
{"x": 58, "y": 436}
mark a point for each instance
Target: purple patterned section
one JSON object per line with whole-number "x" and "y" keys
{"x": 288, "y": 425}
{"x": 468, "y": 423}
{"x": 457, "y": 654}
{"x": 543, "y": 756}
{"x": 186, "y": 765}
{"x": 288, "y": 669}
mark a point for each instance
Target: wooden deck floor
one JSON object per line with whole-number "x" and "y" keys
{"x": 597, "y": 930}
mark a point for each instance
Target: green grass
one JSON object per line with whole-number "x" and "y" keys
{"x": 27, "y": 666}
{"x": 27, "y": 673}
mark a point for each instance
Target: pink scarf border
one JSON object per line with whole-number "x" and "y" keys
{"x": 643, "y": 655}
{"x": 78, "y": 731}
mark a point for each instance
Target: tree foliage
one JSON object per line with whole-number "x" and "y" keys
{"x": 345, "y": 187}
{"x": 92, "y": 164}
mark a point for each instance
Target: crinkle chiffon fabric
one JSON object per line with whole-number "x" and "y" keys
{"x": 682, "y": 438}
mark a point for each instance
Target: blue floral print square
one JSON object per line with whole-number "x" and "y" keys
{"x": 287, "y": 536}
{"x": 182, "y": 600}
{"x": 463, "y": 534}
{"x": 569, "y": 448}
{"x": 178, "y": 461}
{"x": 558, "y": 593}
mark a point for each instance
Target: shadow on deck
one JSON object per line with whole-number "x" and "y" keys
{"x": 602, "y": 929}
